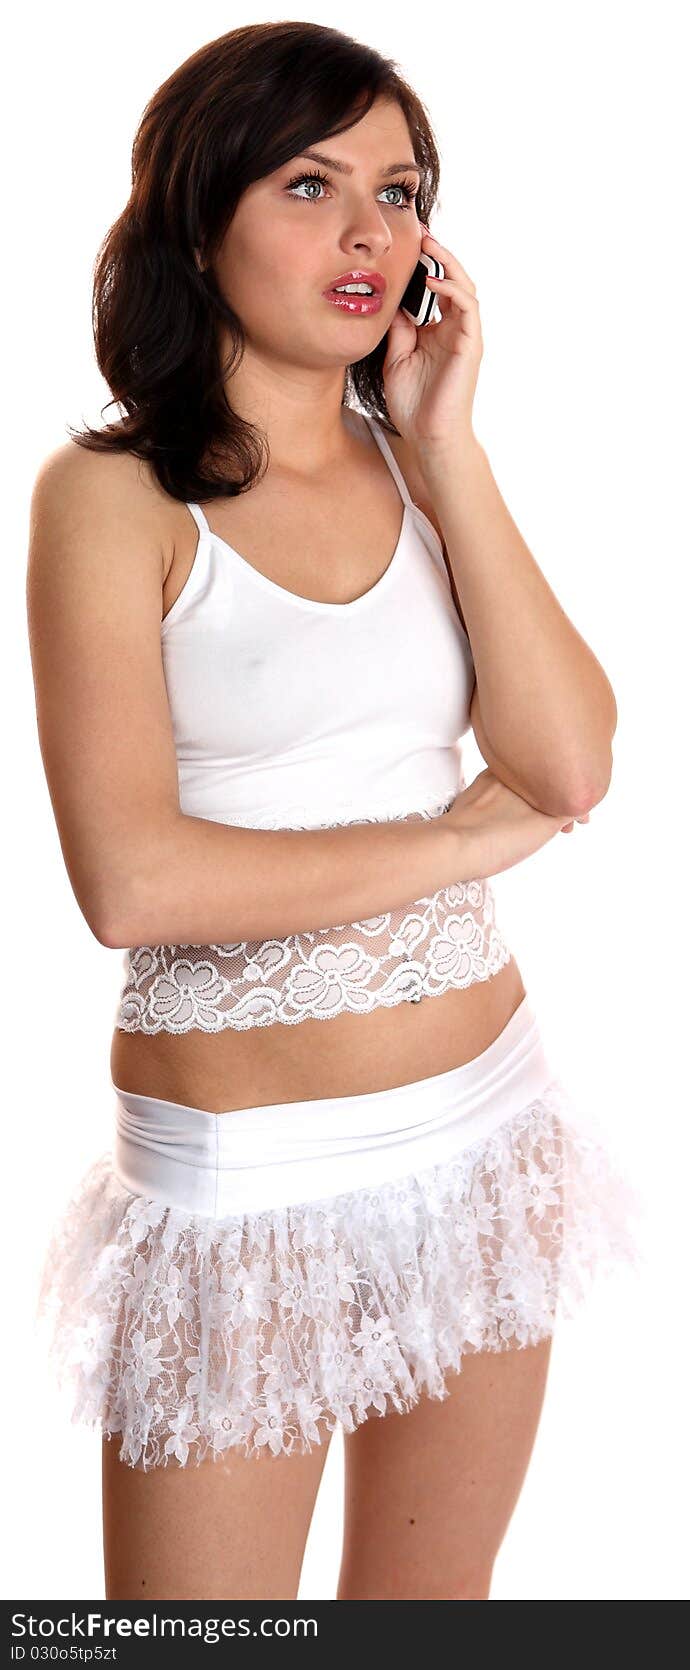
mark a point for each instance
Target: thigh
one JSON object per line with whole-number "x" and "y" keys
{"x": 429, "y": 1494}
{"x": 231, "y": 1529}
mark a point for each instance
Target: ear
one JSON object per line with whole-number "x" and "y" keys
{"x": 199, "y": 262}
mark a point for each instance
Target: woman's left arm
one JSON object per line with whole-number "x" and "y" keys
{"x": 548, "y": 712}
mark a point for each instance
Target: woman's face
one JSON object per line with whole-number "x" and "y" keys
{"x": 287, "y": 242}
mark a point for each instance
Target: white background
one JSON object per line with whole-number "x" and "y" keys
{"x": 562, "y": 193}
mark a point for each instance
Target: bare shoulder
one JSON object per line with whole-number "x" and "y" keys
{"x": 101, "y": 495}
{"x": 76, "y": 467}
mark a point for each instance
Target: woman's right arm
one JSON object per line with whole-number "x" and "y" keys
{"x": 142, "y": 871}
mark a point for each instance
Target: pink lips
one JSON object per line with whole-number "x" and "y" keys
{"x": 354, "y": 305}
{"x": 376, "y": 280}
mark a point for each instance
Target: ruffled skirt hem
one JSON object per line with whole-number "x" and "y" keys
{"x": 185, "y": 1336}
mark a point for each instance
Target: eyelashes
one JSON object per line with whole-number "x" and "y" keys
{"x": 407, "y": 187}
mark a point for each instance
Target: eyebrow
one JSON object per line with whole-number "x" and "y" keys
{"x": 344, "y": 167}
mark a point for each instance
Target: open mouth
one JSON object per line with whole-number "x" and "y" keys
{"x": 356, "y": 300}
{"x": 357, "y": 291}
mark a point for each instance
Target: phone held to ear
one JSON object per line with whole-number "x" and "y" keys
{"x": 418, "y": 303}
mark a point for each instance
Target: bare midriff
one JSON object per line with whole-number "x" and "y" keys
{"x": 346, "y": 1055}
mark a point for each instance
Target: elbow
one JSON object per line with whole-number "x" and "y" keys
{"x": 117, "y": 885}
{"x": 553, "y": 794}
{"x": 127, "y": 923}
{"x": 110, "y": 923}
{"x": 111, "y": 938}
{"x": 105, "y": 927}
{"x": 97, "y": 914}
{"x": 590, "y": 791}
{"x": 127, "y": 909}
{"x": 590, "y": 781}
{"x": 559, "y": 796}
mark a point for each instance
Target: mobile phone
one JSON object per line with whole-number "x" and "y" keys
{"x": 418, "y": 302}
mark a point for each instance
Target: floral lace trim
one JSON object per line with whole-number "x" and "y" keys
{"x": 185, "y": 1336}
{"x": 448, "y": 939}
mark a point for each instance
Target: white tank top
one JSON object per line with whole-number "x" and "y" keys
{"x": 291, "y": 713}
{"x": 288, "y": 709}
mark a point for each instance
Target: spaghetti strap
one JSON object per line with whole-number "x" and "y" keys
{"x": 378, "y": 433}
{"x": 197, "y": 512}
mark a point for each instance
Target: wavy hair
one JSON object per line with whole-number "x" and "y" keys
{"x": 233, "y": 112}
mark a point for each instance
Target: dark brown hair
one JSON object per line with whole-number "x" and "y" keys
{"x": 234, "y": 111}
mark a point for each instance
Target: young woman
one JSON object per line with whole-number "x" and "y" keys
{"x": 265, "y": 605}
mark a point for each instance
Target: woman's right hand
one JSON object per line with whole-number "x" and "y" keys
{"x": 505, "y": 828}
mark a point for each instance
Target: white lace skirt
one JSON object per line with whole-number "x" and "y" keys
{"x": 251, "y": 1278}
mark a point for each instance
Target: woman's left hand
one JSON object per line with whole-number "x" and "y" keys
{"x": 430, "y": 371}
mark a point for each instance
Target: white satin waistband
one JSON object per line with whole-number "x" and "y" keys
{"x": 254, "y": 1159}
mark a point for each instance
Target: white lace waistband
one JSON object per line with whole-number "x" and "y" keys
{"x": 251, "y": 1159}
{"x": 447, "y": 940}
